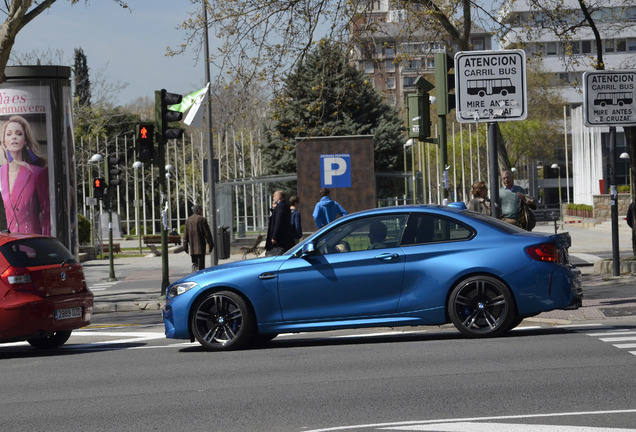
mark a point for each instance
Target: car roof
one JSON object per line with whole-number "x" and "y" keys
{"x": 409, "y": 208}
{"x": 6, "y": 237}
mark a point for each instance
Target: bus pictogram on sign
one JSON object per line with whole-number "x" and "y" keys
{"x": 609, "y": 98}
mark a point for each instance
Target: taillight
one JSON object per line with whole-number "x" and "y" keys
{"x": 547, "y": 252}
{"x": 18, "y": 278}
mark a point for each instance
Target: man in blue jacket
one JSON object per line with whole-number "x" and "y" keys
{"x": 326, "y": 209}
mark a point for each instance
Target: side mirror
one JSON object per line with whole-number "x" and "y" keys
{"x": 308, "y": 249}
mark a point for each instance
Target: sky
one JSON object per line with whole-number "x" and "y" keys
{"x": 127, "y": 46}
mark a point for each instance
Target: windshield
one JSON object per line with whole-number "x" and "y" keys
{"x": 37, "y": 251}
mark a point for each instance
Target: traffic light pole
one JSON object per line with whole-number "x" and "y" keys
{"x": 443, "y": 153}
{"x": 165, "y": 281}
{"x": 109, "y": 193}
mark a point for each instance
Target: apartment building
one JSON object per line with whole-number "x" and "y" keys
{"x": 566, "y": 62}
{"x": 394, "y": 49}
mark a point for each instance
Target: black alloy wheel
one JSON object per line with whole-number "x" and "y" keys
{"x": 482, "y": 306}
{"x": 222, "y": 321}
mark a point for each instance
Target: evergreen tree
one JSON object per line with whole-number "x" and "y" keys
{"x": 82, "y": 81}
{"x": 326, "y": 96}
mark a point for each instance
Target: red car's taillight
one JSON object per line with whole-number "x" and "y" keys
{"x": 547, "y": 252}
{"x": 18, "y": 279}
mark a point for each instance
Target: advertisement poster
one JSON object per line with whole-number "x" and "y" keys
{"x": 25, "y": 152}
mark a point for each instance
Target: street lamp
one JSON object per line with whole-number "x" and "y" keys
{"x": 136, "y": 167}
{"x": 556, "y": 166}
{"x": 625, "y": 155}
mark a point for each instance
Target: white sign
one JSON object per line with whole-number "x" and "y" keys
{"x": 609, "y": 98}
{"x": 491, "y": 86}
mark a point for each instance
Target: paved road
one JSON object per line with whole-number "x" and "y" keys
{"x": 130, "y": 378}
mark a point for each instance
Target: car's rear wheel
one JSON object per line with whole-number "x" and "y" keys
{"x": 51, "y": 341}
{"x": 481, "y": 306}
{"x": 222, "y": 321}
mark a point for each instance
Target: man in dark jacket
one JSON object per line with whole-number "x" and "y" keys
{"x": 280, "y": 236}
{"x": 197, "y": 234}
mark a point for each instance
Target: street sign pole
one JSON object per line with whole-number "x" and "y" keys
{"x": 609, "y": 100}
{"x": 614, "y": 203}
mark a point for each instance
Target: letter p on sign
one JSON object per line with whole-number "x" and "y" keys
{"x": 335, "y": 170}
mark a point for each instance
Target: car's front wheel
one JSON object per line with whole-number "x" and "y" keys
{"x": 51, "y": 341}
{"x": 222, "y": 321}
{"x": 481, "y": 306}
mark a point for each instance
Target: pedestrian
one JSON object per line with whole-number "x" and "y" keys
{"x": 280, "y": 235}
{"x": 295, "y": 218}
{"x": 510, "y": 198}
{"x": 327, "y": 210}
{"x": 630, "y": 215}
{"x": 480, "y": 201}
{"x": 197, "y": 234}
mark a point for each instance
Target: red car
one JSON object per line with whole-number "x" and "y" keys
{"x": 43, "y": 293}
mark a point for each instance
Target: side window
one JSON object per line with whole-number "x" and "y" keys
{"x": 377, "y": 232}
{"x": 430, "y": 228}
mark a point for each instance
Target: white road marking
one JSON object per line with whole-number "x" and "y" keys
{"x": 615, "y": 335}
{"x": 503, "y": 427}
{"x": 471, "y": 421}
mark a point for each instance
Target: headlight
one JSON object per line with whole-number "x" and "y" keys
{"x": 179, "y": 289}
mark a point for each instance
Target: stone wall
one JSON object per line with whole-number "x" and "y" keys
{"x": 602, "y": 206}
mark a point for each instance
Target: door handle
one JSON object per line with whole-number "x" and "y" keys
{"x": 387, "y": 256}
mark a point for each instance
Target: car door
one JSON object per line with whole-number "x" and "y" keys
{"x": 347, "y": 277}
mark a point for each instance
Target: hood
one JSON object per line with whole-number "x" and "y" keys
{"x": 230, "y": 266}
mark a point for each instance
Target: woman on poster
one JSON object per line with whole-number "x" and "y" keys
{"x": 24, "y": 180}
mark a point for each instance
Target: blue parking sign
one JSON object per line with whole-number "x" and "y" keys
{"x": 335, "y": 170}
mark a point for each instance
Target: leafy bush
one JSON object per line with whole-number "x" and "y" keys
{"x": 84, "y": 230}
{"x": 583, "y": 207}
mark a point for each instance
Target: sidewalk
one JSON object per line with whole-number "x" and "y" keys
{"x": 145, "y": 275}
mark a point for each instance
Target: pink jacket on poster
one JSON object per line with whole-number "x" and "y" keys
{"x": 27, "y": 207}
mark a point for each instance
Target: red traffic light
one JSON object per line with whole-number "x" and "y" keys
{"x": 145, "y": 142}
{"x": 99, "y": 183}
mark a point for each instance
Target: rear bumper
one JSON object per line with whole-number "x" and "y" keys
{"x": 27, "y": 316}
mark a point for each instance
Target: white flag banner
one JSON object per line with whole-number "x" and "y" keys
{"x": 195, "y": 115}
{"x": 189, "y": 100}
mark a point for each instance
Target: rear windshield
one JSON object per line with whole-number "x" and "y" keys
{"x": 494, "y": 222}
{"x": 36, "y": 251}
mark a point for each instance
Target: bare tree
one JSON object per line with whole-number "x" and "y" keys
{"x": 19, "y": 13}
{"x": 568, "y": 20}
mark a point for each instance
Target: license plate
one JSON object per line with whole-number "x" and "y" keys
{"x": 61, "y": 314}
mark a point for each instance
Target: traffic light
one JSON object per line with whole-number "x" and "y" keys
{"x": 99, "y": 184}
{"x": 419, "y": 112}
{"x": 145, "y": 142}
{"x": 112, "y": 170}
{"x": 164, "y": 116}
{"x": 444, "y": 83}
{"x": 419, "y": 109}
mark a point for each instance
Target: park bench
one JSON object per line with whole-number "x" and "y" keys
{"x": 156, "y": 239}
{"x": 116, "y": 248}
{"x": 255, "y": 249}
